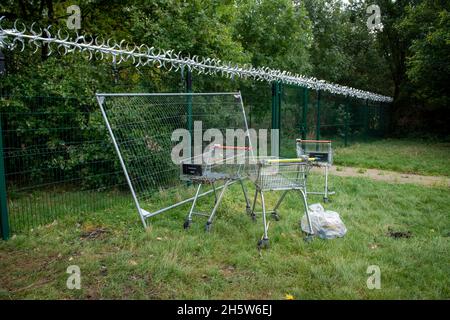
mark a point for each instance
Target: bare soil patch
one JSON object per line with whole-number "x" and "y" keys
{"x": 390, "y": 176}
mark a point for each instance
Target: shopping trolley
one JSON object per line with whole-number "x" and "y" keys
{"x": 213, "y": 166}
{"x": 323, "y": 153}
{"x": 274, "y": 174}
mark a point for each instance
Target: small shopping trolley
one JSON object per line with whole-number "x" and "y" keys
{"x": 322, "y": 152}
{"x": 218, "y": 164}
{"x": 274, "y": 174}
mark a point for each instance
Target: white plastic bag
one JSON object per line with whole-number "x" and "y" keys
{"x": 325, "y": 224}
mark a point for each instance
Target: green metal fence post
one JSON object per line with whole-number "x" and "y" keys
{"x": 280, "y": 96}
{"x": 4, "y": 217}
{"x": 366, "y": 120}
{"x": 276, "y": 105}
{"x": 318, "y": 116}
{"x": 189, "y": 103}
{"x": 189, "y": 119}
{"x": 381, "y": 120}
{"x": 304, "y": 129}
{"x": 387, "y": 117}
{"x": 347, "y": 120}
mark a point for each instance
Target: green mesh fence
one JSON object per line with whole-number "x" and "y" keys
{"x": 57, "y": 159}
{"x": 316, "y": 115}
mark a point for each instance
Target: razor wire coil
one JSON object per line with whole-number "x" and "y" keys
{"x": 20, "y": 36}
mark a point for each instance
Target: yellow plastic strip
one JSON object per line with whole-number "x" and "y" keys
{"x": 295, "y": 160}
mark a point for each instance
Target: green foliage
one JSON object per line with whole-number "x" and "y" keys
{"x": 330, "y": 24}
{"x": 275, "y": 33}
{"x": 414, "y": 41}
{"x": 197, "y": 27}
{"x": 343, "y": 49}
{"x": 429, "y": 62}
{"x": 68, "y": 76}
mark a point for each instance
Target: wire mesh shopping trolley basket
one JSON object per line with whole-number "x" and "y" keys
{"x": 275, "y": 174}
{"x": 217, "y": 164}
{"x": 322, "y": 152}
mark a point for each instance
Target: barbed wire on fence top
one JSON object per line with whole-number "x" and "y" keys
{"x": 19, "y": 36}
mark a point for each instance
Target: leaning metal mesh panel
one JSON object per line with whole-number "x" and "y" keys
{"x": 271, "y": 173}
{"x": 143, "y": 126}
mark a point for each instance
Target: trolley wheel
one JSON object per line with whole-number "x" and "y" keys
{"x": 309, "y": 238}
{"x": 248, "y": 210}
{"x": 187, "y": 224}
{"x": 326, "y": 200}
{"x": 275, "y": 216}
{"x": 208, "y": 226}
{"x": 253, "y": 216}
{"x": 263, "y": 244}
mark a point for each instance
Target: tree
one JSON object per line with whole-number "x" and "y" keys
{"x": 415, "y": 42}
{"x": 196, "y": 27}
{"x": 343, "y": 50}
{"x": 428, "y": 65}
{"x": 275, "y": 33}
{"x": 329, "y": 24}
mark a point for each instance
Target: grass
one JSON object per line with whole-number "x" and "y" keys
{"x": 118, "y": 259}
{"x": 406, "y": 156}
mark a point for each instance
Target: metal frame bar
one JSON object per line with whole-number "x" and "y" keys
{"x": 122, "y": 163}
{"x": 305, "y": 203}
{"x": 180, "y": 203}
{"x": 167, "y": 94}
{"x": 266, "y": 227}
{"x": 218, "y": 201}
{"x": 191, "y": 211}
